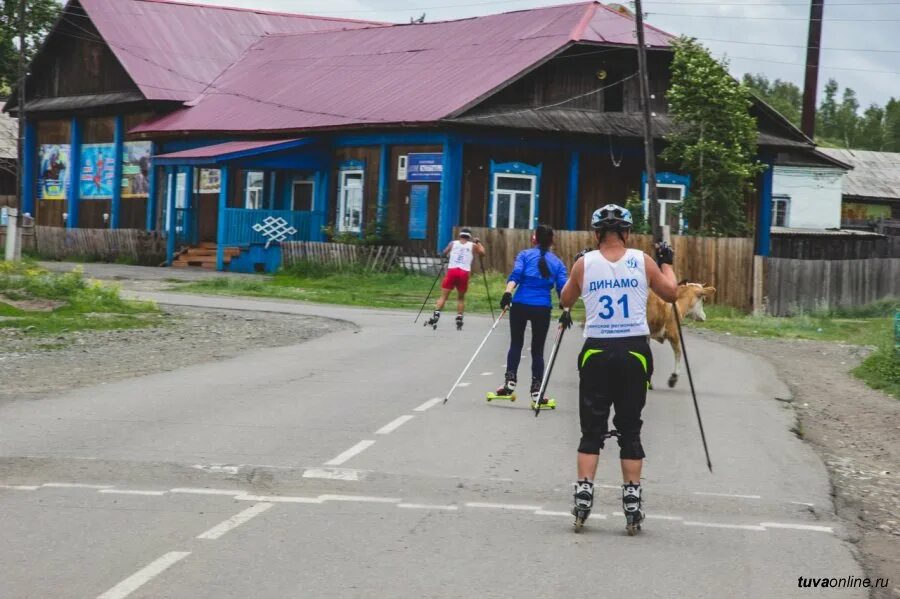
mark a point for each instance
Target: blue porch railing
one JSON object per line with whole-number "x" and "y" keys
{"x": 239, "y": 224}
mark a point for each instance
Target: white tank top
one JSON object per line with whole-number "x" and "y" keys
{"x": 615, "y": 295}
{"x": 461, "y": 255}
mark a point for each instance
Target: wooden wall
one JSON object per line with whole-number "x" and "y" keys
{"x": 90, "y": 214}
{"x": 601, "y": 182}
{"x": 832, "y": 247}
{"x": 398, "y": 202}
{"x": 133, "y": 213}
{"x": 371, "y": 156}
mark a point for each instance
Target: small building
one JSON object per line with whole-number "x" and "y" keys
{"x": 806, "y": 190}
{"x": 247, "y": 123}
{"x": 871, "y": 191}
{"x": 9, "y": 159}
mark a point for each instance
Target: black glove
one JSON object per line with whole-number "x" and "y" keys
{"x": 506, "y": 300}
{"x": 565, "y": 319}
{"x": 664, "y": 254}
{"x": 478, "y": 241}
{"x": 581, "y": 254}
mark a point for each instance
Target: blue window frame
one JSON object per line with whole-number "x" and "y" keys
{"x": 515, "y": 195}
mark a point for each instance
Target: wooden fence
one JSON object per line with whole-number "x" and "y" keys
{"x": 795, "y": 286}
{"x": 726, "y": 263}
{"x": 106, "y": 245}
{"x": 340, "y": 256}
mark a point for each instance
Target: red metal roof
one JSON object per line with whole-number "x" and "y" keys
{"x": 396, "y": 74}
{"x": 173, "y": 50}
{"x": 224, "y": 149}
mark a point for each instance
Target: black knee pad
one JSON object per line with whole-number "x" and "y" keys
{"x": 630, "y": 447}
{"x": 591, "y": 444}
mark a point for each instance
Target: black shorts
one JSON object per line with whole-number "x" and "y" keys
{"x": 613, "y": 372}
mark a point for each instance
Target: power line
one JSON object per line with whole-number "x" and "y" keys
{"x": 800, "y": 64}
{"x": 710, "y": 39}
{"x": 742, "y": 17}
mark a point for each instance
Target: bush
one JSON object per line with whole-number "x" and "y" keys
{"x": 374, "y": 234}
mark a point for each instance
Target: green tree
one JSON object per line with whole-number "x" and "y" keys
{"x": 871, "y": 129}
{"x": 783, "y": 96}
{"x": 892, "y": 126}
{"x": 715, "y": 139}
{"x": 826, "y": 116}
{"x": 847, "y": 119}
{"x": 39, "y": 17}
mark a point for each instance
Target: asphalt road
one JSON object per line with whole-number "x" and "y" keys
{"x": 329, "y": 469}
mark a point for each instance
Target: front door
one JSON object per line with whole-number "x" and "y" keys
{"x": 302, "y": 193}
{"x": 351, "y": 201}
{"x": 513, "y": 201}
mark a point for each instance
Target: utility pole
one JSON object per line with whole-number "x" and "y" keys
{"x": 811, "y": 81}
{"x": 649, "y": 152}
{"x": 20, "y": 76}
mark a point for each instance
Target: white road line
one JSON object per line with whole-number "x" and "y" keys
{"x": 358, "y": 448}
{"x": 429, "y": 404}
{"x": 332, "y": 473}
{"x": 362, "y": 498}
{"x": 75, "y": 486}
{"x": 661, "y": 517}
{"x": 503, "y": 506}
{"x": 424, "y": 506}
{"x": 487, "y": 374}
{"x": 240, "y": 518}
{"x": 730, "y": 526}
{"x": 131, "y": 492}
{"x": 21, "y": 487}
{"x": 394, "y": 424}
{"x": 277, "y": 498}
{"x": 803, "y": 503}
{"x": 144, "y": 575}
{"x": 461, "y": 385}
{"x": 205, "y": 491}
{"x": 728, "y": 495}
{"x": 798, "y": 527}
{"x": 602, "y": 486}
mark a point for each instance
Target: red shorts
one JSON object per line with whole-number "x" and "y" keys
{"x": 456, "y": 278}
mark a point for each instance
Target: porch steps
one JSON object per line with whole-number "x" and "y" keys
{"x": 203, "y": 256}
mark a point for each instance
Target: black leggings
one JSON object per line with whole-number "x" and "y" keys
{"x": 519, "y": 315}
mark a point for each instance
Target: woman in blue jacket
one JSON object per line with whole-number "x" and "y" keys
{"x": 537, "y": 271}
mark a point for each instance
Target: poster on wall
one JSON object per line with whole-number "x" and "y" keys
{"x": 418, "y": 212}
{"x": 136, "y": 169}
{"x": 53, "y": 179}
{"x": 859, "y": 211}
{"x": 425, "y": 167}
{"x": 208, "y": 180}
{"x": 98, "y": 163}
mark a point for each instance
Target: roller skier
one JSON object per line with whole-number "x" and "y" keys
{"x": 615, "y": 363}
{"x": 537, "y": 271}
{"x": 460, "y": 254}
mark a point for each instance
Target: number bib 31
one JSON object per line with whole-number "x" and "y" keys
{"x": 615, "y": 295}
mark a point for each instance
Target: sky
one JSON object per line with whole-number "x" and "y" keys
{"x": 861, "y": 39}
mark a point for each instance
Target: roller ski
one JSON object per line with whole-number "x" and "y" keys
{"x": 546, "y": 403}
{"x": 433, "y": 321}
{"x": 459, "y": 322}
{"x": 631, "y": 505}
{"x": 507, "y": 391}
{"x": 584, "y": 501}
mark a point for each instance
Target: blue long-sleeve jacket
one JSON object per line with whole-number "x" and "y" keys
{"x": 531, "y": 288}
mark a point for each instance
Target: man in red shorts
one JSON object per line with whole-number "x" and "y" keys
{"x": 461, "y": 253}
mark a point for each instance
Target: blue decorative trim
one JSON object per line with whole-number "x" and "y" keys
{"x": 764, "y": 213}
{"x": 384, "y": 179}
{"x": 229, "y": 156}
{"x": 220, "y": 225}
{"x": 352, "y": 165}
{"x": 451, "y": 187}
{"x": 74, "y": 175}
{"x": 377, "y": 139}
{"x": 151, "y": 191}
{"x": 664, "y": 178}
{"x": 116, "y": 202}
{"x": 171, "y": 184}
{"x": 572, "y": 192}
{"x": 516, "y": 168}
{"x": 28, "y": 168}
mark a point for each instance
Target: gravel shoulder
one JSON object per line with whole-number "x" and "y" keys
{"x": 855, "y": 429}
{"x": 31, "y": 366}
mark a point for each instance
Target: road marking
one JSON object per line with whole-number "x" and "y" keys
{"x": 144, "y": 575}
{"x": 503, "y": 506}
{"x": 131, "y": 492}
{"x": 487, "y": 374}
{"x": 332, "y": 473}
{"x": 461, "y": 385}
{"x": 358, "y": 448}
{"x": 362, "y": 498}
{"x": 730, "y": 526}
{"x": 424, "y": 506}
{"x": 75, "y": 486}
{"x": 21, "y": 487}
{"x": 240, "y": 518}
{"x": 277, "y": 498}
{"x": 798, "y": 527}
{"x": 661, "y": 517}
{"x": 394, "y": 424}
{"x": 602, "y": 486}
{"x": 205, "y": 491}
{"x": 803, "y": 503}
{"x": 728, "y": 495}
{"x": 429, "y": 404}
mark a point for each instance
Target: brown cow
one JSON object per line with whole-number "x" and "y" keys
{"x": 662, "y": 322}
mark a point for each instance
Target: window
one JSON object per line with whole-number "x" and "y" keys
{"x": 253, "y": 197}
{"x": 302, "y": 194}
{"x": 670, "y": 197}
{"x": 780, "y": 209}
{"x": 513, "y": 204}
{"x": 350, "y": 193}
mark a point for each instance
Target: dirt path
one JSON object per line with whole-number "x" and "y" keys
{"x": 855, "y": 429}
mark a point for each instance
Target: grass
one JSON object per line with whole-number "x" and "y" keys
{"x": 39, "y": 302}
{"x": 871, "y": 325}
{"x": 313, "y": 283}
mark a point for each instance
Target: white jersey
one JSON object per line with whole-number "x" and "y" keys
{"x": 615, "y": 295}
{"x": 461, "y": 255}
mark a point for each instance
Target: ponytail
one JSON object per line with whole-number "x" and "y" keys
{"x": 543, "y": 235}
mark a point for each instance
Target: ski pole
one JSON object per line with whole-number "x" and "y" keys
{"x": 687, "y": 366}
{"x": 486, "y": 289}
{"x": 559, "y": 335}
{"x": 472, "y": 359}
{"x": 440, "y": 272}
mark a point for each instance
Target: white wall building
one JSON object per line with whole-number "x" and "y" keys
{"x": 807, "y": 197}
